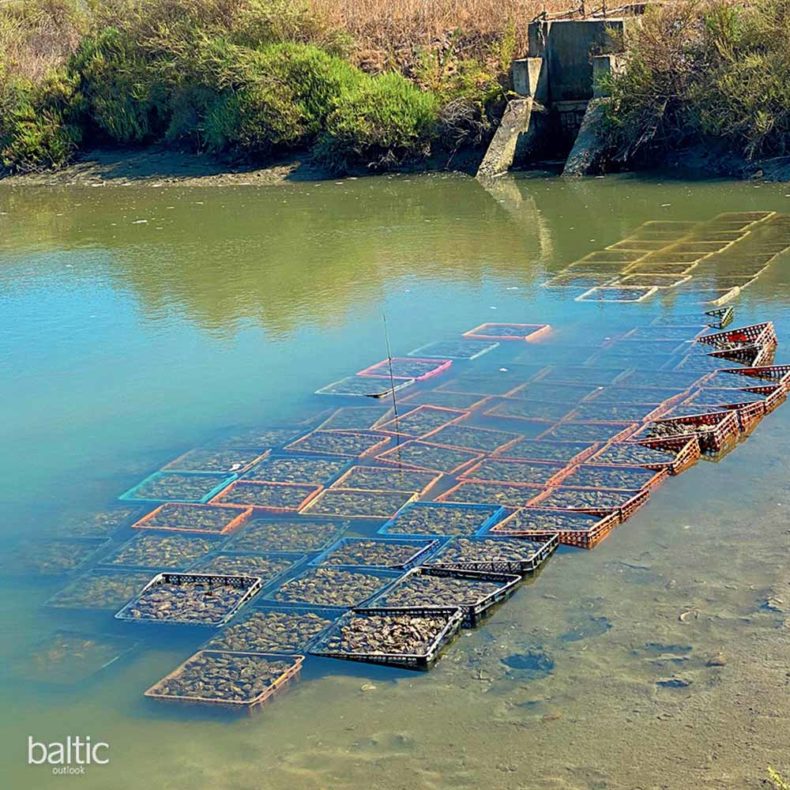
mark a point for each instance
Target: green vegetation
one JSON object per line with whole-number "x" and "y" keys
{"x": 701, "y": 72}
{"x": 247, "y": 79}
{"x": 776, "y": 780}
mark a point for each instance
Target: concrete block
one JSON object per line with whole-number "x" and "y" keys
{"x": 530, "y": 78}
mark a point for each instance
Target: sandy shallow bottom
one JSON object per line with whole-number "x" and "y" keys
{"x": 659, "y": 660}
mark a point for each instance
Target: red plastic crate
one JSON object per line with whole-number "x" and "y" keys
{"x": 685, "y": 448}
{"x": 755, "y": 334}
{"x": 429, "y": 457}
{"x": 347, "y": 444}
{"x": 494, "y": 331}
{"x": 627, "y": 502}
{"x": 567, "y": 430}
{"x": 775, "y": 395}
{"x": 720, "y": 429}
{"x": 159, "y": 519}
{"x": 488, "y": 440}
{"x": 468, "y": 492}
{"x": 388, "y": 478}
{"x": 298, "y": 494}
{"x": 749, "y": 412}
{"x": 649, "y": 479}
{"x": 421, "y": 420}
{"x": 776, "y": 374}
{"x": 640, "y": 412}
{"x": 751, "y": 355}
{"x": 625, "y": 508}
{"x": 583, "y": 530}
{"x": 550, "y": 451}
{"x": 406, "y": 368}
{"x": 495, "y": 470}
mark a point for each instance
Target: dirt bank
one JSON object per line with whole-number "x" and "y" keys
{"x": 154, "y": 166}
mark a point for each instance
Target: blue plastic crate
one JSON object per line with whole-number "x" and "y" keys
{"x": 489, "y": 515}
{"x": 428, "y": 546}
{"x": 219, "y": 480}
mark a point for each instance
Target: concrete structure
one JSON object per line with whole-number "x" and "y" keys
{"x": 560, "y": 76}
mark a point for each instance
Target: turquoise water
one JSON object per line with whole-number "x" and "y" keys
{"x": 136, "y": 323}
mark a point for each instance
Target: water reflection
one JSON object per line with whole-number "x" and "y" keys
{"x": 595, "y": 645}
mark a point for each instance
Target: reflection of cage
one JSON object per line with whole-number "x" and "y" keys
{"x": 606, "y": 293}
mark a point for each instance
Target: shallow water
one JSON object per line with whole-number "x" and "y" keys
{"x": 136, "y": 323}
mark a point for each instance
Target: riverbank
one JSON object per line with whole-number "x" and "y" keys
{"x": 157, "y": 166}
{"x": 162, "y": 167}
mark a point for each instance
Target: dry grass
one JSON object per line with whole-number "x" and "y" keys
{"x": 36, "y": 37}
{"x": 388, "y": 33}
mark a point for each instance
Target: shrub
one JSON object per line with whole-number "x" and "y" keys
{"x": 382, "y": 122}
{"x": 701, "y": 71}
{"x": 279, "y": 97}
{"x": 121, "y": 94}
{"x": 36, "y": 132}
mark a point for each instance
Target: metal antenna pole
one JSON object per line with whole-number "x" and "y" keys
{"x": 392, "y": 382}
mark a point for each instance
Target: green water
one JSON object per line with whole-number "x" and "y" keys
{"x": 136, "y": 323}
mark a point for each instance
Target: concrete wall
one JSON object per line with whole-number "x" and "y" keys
{"x": 568, "y": 47}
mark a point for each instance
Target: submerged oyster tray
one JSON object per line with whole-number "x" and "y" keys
{"x": 423, "y": 496}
